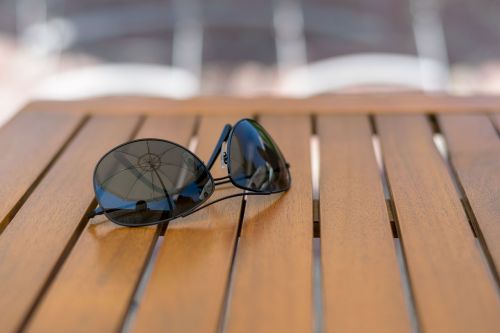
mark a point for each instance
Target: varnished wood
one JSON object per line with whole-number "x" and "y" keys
{"x": 197, "y": 285}
{"x": 474, "y": 149}
{"x": 34, "y": 241}
{"x": 188, "y": 283}
{"x": 449, "y": 279}
{"x": 223, "y": 105}
{"x": 97, "y": 281}
{"x": 362, "y": 285}
{"x": 28, "y": 144}
{"x": 272, "y": 281}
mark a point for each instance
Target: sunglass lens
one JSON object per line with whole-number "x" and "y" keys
{"x": 255, "y": 161}
{"x": 149, "y": 181}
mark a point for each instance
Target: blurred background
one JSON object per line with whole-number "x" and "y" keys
{"x": 72, "y": 49}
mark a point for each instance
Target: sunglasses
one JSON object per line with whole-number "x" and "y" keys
{"x": 151, "y": 181}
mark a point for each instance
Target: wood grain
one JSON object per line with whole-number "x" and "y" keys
{"x": 226, "y": 105}
{"x": 187, "y": 286}
{"x": 97, "y": 281}
{"x": 28, "y": 144}
{"x": 474, "y": 149}
{"x": 272, "y": 281}
{"x": 362, "y": 289}
{"x": 450, "y": 281}
{"x": 271, "y": 290}
{"x": 33, "y": 242}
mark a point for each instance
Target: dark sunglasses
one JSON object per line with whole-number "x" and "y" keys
{"x": 151, "y": 181}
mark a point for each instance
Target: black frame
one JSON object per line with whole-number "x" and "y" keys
{"x": 225, "y": 137}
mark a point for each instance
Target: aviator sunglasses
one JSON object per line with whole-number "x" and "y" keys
{"x": 151, "y": 181}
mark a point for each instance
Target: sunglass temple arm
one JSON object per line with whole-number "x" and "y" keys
{"x": 223, "y": 137}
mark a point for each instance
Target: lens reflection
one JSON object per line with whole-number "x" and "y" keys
{"x": 147, "y": 181}
{"x": 255, "y": 162}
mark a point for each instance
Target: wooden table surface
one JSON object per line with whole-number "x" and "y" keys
{"x": 402, "y": 234}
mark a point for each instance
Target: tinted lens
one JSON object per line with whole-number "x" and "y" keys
{"x": 255, "y": 162}
{"x": 147, "y": 181}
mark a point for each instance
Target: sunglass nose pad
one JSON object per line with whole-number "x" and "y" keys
{"x": 206, "y": 191}
{"x": 141, "y": 205}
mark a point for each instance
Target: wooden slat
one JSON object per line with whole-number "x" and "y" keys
{"x": 474, "y": 149}
{"x": 272, "y": 281}
{"x": 28, "y": 143}
{"x": 97, "y": 281}
{"x": 33, "y": 242}
{"x": 339, "y": 103}
{"x": 449, "y": 279}
{"x": 187, "y": 287}
{"x": 362, "y": 286}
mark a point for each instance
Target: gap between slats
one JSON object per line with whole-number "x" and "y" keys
{"x": 456, "y": 301}
{"x": 151, "y": 260}
{"x": 403, "y": 268}
{"x": 10, "y": 216}
{"x": 273, "y": 238}
{"x": 442, "y": 147}
{"x": 318, "y": 313}
{"x": 317, "y": 301}
{"x": 228, "y": 293}
{"x": 224, "y": 315}
{"x": 71, "y": 242}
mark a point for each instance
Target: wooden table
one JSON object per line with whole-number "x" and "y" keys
{"x": 401, "y": 237}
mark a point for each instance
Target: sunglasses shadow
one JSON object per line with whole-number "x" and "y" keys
{"x": 262, "y": 208}
{"x": 205, "y": 227}
{"x": 257, "y": 208}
